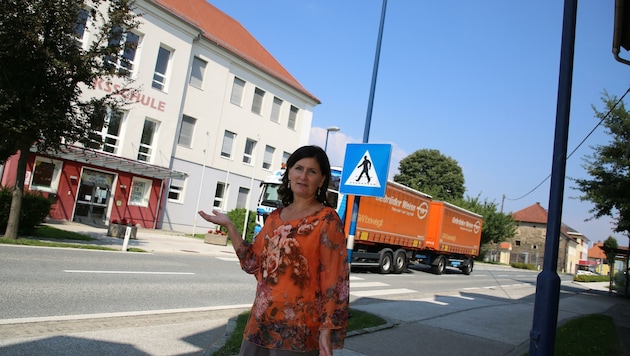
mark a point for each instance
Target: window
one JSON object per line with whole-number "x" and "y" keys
{"x": 237, "y": 91}
{"x": 124, "y": 61}
{"x": 268, "y": 159}
{"x": 250, "y": 146}
{"x": 228, "y": 141}
{"x": 275, "y": 109}
{"x": 79, "y": 27}
{"x": 111, "y": 135}
{"x": 219, "y": 196}
{"x": 259, "y": 94}
{"x": 285, "y": 158}
{"x": 517, "y": 242}
{"x": 241, "y": 200}
{"x": 161, "y": 66}
{"x": 196, "y": 72}
{"x": 186, "y": 131}
{"x": 46, "y": 174}
{"x": 292, "y": 117}
{"x": 146, "y": 141}
{"x": 176, "y": 190}
{"x": 140, "y": 192}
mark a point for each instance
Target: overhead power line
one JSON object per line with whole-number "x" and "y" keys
{"x": 575, "y": 149}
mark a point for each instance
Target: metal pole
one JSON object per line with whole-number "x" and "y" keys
{"x": 366, "y": 131}
{"x": 543, "y": 332}
{"x": 203, "y": 172}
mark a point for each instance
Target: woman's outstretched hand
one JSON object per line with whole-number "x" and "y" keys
{"x": 216, "y": 217}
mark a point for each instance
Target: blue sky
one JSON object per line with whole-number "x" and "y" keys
{"x": 476, "y": 80}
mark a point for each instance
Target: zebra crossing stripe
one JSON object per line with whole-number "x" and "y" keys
{"x": 379, "y": 292}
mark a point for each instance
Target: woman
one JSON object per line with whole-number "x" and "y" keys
{"x": 299, "y": 259}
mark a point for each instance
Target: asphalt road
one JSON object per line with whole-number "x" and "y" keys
{"x": 44, "y": 282}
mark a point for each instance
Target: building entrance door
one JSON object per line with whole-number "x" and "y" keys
{"x": 93, "y": 197}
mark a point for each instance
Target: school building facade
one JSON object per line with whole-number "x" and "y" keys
{"x": 215, "y": 113}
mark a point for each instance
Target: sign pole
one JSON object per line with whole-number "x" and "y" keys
{"x": 366, "y": 131}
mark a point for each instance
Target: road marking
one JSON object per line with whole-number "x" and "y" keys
{"x": 228, "y": 259}
{"x": 367, "y": 284}
{"x": 126, "y": 272}
{"x": 353, "y": 278}
{"x": 432, "y": 301}
{"x": 461, "y": 297}
{"x": 377, "y": 292}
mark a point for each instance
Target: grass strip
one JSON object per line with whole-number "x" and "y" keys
{"x": 359, "y": 320}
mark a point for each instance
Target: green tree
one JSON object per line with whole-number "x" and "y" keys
{"x": 44, "y": 70}
{"x": 610, "y": 250}
{"x": 609, "y": 167}
{"x": 497, "y": 227}
{"x": 432, "y": 173}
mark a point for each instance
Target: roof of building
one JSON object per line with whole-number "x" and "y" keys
{"x": 226, "y": 32}
{"x": 596, "y": 251}
{"x": 536, "y": 214}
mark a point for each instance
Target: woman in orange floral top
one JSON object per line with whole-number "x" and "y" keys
{"x": 299, "y": 259}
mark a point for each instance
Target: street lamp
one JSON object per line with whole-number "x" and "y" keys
{"x": 328, "y": 130}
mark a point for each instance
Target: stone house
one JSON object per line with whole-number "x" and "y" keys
{"x": 528, "y": 244}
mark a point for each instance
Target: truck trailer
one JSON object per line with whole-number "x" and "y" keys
{"x": 405, "y": 226}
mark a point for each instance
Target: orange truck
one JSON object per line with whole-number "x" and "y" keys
{"x": 407, "y": 226}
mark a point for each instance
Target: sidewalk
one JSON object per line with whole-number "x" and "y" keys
{"x": 484, "y": 322}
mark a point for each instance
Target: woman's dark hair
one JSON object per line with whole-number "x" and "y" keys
{"x": 285, "y": 192}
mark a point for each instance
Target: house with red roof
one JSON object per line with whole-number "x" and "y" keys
{"x": 597, "y": 259}
{"x": 528, "y": 244}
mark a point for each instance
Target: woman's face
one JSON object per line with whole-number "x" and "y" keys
{"x": 305, "y": 177}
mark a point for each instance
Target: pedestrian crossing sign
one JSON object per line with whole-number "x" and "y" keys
{"x": 365, "y": 168}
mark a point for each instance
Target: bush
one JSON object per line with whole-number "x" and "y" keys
{"x": 591, "y": 278}
{"x": 522, "y": 265}
{"x": 35, "y": 208}
{"x": 238, "y": 218}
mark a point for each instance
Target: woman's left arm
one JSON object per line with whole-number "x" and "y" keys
{"x": 334, "y": 281}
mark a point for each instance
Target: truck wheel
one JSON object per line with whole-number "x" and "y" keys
{"x": 467, "y": 269}
{"x": 439, "y": 266}
{"x": 400, "y": 261}
{"x": 386, "y": 261}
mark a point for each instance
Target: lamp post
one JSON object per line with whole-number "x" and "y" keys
{"x": 328, "y": 130}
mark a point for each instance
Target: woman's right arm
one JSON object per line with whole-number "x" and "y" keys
{"x": 221, "y": 219}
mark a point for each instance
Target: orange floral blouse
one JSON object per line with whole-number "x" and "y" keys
{"x": 302, "y": 271}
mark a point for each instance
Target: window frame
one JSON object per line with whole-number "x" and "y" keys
{"x": 276, "y": 109}
{"x": 149, "y": 147}
{"x": 125, "y": 54}
{"x": 137, "y": 197}
{"x": 268, "y": 157}
{"x": 257, "y": 101}
{"x": 55, "y": 175}
{"x": 292, "y": 121}
{"x": 182, "y": 127}
{"x": 109, "y": 139}
{"x": 238, "y": 88}
{"x": 178, "y": 186}
{"x": 242, "y": 197}
{"x": 81, "y": 28}
{"x": 194, "y": 80}
{"x": 160, "y": 62}
{"x": 249, "y": 151}
{"x": 219, "y": 196}
{"x": 227, "y": 136}
{"x": 285, "y": 157}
